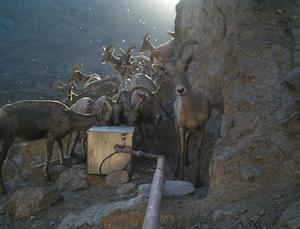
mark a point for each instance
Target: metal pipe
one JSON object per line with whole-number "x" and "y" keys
{"x": 152, "y": 216}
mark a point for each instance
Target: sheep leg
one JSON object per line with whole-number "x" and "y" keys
{"x": 3, "y": 154}
{"x": 144, "y": 132}
{"x": 84, "y": 144}
{"x": 186, "y": 147}
{"x": 50, "y": 143}
{"x": 182, "y": 153}
{"x": 69, "y": 139}
{"x": 61, "y": 149}
{"x": 178, "y": 157}
{"x": 116, "y": 119}
{"x": 74, "y": 143}
{"x": 198, "y": 156}
{"x": 140, "y": 130}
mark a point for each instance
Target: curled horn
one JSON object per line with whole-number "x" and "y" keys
{"x": 146, "y": 90}
{"x": 58, "y": 84}
{"x": 109, "y": 47}
{"x": 157, "y": 55}
{"x": 149, "y": 92}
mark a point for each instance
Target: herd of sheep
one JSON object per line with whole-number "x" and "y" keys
{"x": 135, "y": 98}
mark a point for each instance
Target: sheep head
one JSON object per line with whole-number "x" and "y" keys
{"x": 65, "y": 89}
{"x": 177, "y": 67}
{"x": 103, "y": 105}
{"x": 143, "y": 104}
{"x": 145, "y": 42}
{"x": 126, "y": 57}
{"x": 108, "y": 53}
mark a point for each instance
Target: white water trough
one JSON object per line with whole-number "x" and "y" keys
{"x": 100, "y": 145}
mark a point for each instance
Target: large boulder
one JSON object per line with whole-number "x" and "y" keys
{"x": 73, "y": 179}
{"x": 128, "y": 213}
{"x": 117, "y": 178}
{"x": 290, "y": 218}
{"x": 28, "y": 202}
{"x": 126, "y": 188}
{"x": 247, "y": 64}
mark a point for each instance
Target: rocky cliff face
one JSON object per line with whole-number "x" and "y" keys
{"x": 248, "y": 65}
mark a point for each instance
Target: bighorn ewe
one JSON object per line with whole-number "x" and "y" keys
{"x": 86, "y": 105}
{"x": 166, "y": 50}
{"x": 32, "y": 120}
{"x": 67, "y": 90}
{"x": 119, "y": 63}
{"x": 145, "y": 108}
{"x": 93, "y": 90}
{"x": 120, "y": 104}
{"x": 88, "y": 79}
{"x": 192, "y": 111}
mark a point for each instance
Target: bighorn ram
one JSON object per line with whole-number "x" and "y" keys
{"x": 32, "y": 120}
{"x": 192, "y": 111}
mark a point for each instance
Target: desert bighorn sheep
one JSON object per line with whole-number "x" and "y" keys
{"x": 120, "y": 63}
{"x": 145, "y": 108}
{"x": 166, "y": 50}
{"x": 88, "y": 79}
{"x": 78, "y": 76}
{"x": 31, "y": 120}
{"x": 94, "y": 90}
{"x": 192, "y": 111}
{"x": 101, "y": 107}
{"x": 67, "y": 90}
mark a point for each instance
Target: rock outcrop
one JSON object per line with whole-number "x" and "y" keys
{"x": 73, "y": 179}
{"x": 128, "y": 213}
{"x": 28, "y": 202}
{"x": 247, "y": 63}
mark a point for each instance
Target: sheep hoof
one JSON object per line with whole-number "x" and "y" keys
{"x": 47, "y": 177}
